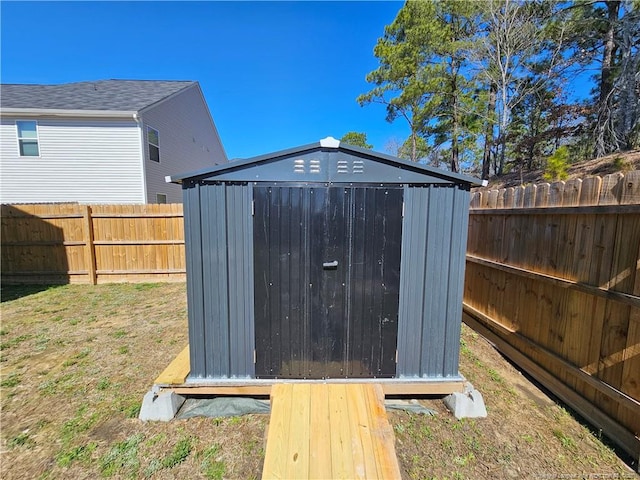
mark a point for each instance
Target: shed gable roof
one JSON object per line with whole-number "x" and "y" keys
{"x": 112, "y": 95}
{"x": 326, "y": 161}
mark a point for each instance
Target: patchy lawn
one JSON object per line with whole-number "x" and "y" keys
{"x": 76, "y": 360}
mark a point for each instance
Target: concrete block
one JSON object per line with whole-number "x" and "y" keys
{"x": 468, "y": 404}
{"x": 160, "y": 406}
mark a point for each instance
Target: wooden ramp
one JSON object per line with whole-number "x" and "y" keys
{"x": 329, "y": 431}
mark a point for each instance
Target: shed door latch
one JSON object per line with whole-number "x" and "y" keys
{"x": 328, "y": 265}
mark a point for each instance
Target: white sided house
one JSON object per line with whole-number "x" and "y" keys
{"x": 109, "y": 141}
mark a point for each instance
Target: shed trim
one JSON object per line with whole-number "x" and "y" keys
{"x": 323, "y": 146}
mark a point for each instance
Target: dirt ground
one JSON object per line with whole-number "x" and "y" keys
{"x": 76, "y": 361}
{"x": 616, "y": 162}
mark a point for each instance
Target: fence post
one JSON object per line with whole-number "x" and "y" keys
{"x": 90, "y": 252}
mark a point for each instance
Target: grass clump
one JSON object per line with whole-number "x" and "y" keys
{"x": 12, "y": 380}
{"x": 14, "y": 341}
{"x": 122, "y": 458}
{"x": 21, "y": 440}
{"x": 211, "y": 466}
{"x": 565, "y": 440}
{"x": 179, "y": 454}
{"x": 81, "y": 453}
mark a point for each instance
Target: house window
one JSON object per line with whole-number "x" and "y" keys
{"x": 28, "y": 138}
{"x": 153, "y": 140}
{"x": 161, "y": 198}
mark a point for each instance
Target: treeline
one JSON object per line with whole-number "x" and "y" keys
{"x": 491, "y": 86}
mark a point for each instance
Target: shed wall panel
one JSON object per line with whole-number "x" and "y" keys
{"x": 195, "y": 290}
{"x": 219, "y": 232}
{"x": 240, "y": 268}
{"x": 432, "y": 274}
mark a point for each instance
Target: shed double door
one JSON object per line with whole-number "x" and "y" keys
{"x": 327, "y": 275}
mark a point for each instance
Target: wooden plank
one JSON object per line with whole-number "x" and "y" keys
{"x": 300, "y": 430}
{"x": 611, "y": 189}
{"x": 518, "y": 196}
{"x": 277, "y": 449}
{"x": 631, "y": 188}
{"x": 530, "y": 196}
{"x": 440, "y": 387}
{"x": 631, "y": 372}
{"x": 341, "y": 429}
{"x": 320, "y": 440}
{"x": 559, "y": 282}
{"x": 382, "y": 434}
{"x": 542, "y": 195}
{"x": 341, "y": 458}
{"x": 239, "y": 390}
{"x": 571, "y": 193}
{"x": 90, "y": 255}
{"x": 556, "y": 192}
{"x": 177, "y": 371}
{"x": 509, "y": 198}
{"x": 493, "y": 199}
{"x": 515, "y": 339}
{"x": 590, "y": 192}
{"x": 624, "y": 264}
{"x": 611, "y": 428}
{"x": 594, "y": 209}
{"x": 366, "y": 465}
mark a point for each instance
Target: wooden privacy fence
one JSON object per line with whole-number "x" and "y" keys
{"x": 71, "y": 243}
{"x": 553, "y": 280}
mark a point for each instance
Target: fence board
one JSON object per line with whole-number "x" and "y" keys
{"x": 558, "y": 281}
{"x": 62, "y": 243}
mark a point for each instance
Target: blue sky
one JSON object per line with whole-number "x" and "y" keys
{"x": 275, "y": 74}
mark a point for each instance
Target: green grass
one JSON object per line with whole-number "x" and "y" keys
{"x": 15, "y": 341}
{"x": 122, "y": 458}
{"x": 77, "y": 357}
{"x": 179, "y": 454}
{"x": 211, "y": 466}
{"x": 21, "y": 440}
{"x": 81, "y": 453}
{"x": 565, "y": 440}
{"x": 12, "y": 380}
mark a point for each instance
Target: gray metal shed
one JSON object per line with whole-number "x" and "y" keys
{"x": 324, "y": 261}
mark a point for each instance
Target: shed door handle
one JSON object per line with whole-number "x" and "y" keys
{"x": 333, "y": 264}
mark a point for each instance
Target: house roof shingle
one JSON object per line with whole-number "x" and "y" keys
{"x": 114, "y": 95}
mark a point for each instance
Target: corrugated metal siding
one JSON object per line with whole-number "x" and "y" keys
{"x": 88, "y": 161}
{"x": 432, "y": 276}
{"x": 188, "y": 138}
{"x": 219, "y": 232}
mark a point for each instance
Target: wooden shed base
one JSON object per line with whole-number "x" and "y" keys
{"x": 174, "y": 378}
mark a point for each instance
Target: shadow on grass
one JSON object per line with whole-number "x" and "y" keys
{"x": 14, "y": 292}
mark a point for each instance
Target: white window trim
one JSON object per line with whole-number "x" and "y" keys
{"x": 150, "y": 143}
{"x": 18, "y": 138}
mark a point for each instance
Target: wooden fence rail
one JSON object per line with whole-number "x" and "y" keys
{"x": 553, "y": 279}
{"x": 71, "y": 243}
